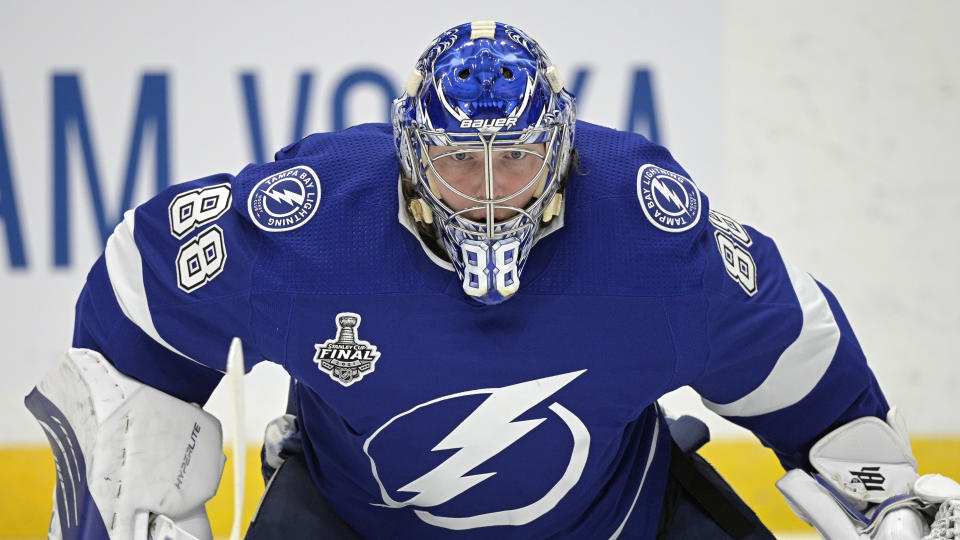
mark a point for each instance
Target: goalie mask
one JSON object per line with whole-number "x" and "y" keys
{"x": 484, "y": 133}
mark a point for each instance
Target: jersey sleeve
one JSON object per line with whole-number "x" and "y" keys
{"x": 783, "y": 360}
{"x": 172, "y": 289}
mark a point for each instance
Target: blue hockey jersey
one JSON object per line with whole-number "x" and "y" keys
{"x": 427, "y": 415}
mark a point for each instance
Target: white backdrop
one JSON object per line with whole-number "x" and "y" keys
{"x": 832, "y": 128}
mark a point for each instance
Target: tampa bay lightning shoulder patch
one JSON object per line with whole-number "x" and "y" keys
{"x": 670, "y": 201}
{"x": 286, "y": 200}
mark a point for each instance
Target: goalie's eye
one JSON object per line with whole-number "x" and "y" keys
{"x": 516, "y": 154}
{"x": 459, "y": 156}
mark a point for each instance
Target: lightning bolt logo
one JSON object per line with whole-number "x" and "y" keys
{"x": 667, "y": 193}
{"x": 483, "y": 434}
{"x": 285, "y": 196}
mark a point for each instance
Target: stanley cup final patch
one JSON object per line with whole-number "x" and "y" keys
{"x": 345, "y": 358}
{"x": 285, "y": 200}
{"x": 670, "y": 201}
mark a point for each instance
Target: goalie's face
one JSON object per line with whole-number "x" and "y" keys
{"x": 471, "y": 181}
{"x": 484, "y": 132}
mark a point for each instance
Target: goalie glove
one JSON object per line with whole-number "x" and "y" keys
{"x": 132, "y": 461}
{"x": 867, "y": 487}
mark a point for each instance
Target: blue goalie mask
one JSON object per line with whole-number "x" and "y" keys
{"x": 484, "y": 133}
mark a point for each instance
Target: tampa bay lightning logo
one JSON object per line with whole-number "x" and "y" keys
{"x": 491, "y": 468}
{"x": 285, "y": 200}
{"x": 670, "y": 201}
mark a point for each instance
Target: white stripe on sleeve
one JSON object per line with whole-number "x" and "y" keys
{"x": 125, "y": 269}
{"x": 802, "y": 364}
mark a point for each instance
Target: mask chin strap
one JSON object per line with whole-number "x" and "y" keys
{"x": 421, "y": 211}
{"x": 553, "y": 207}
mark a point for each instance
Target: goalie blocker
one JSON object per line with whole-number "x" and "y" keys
{"x": 129, "y": 457}
{"x": 866, "y": 486}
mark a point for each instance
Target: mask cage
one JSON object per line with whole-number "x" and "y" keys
{"x": 419, "y": 139}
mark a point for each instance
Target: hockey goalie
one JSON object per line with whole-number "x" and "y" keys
{"x": 480, "y": 306}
